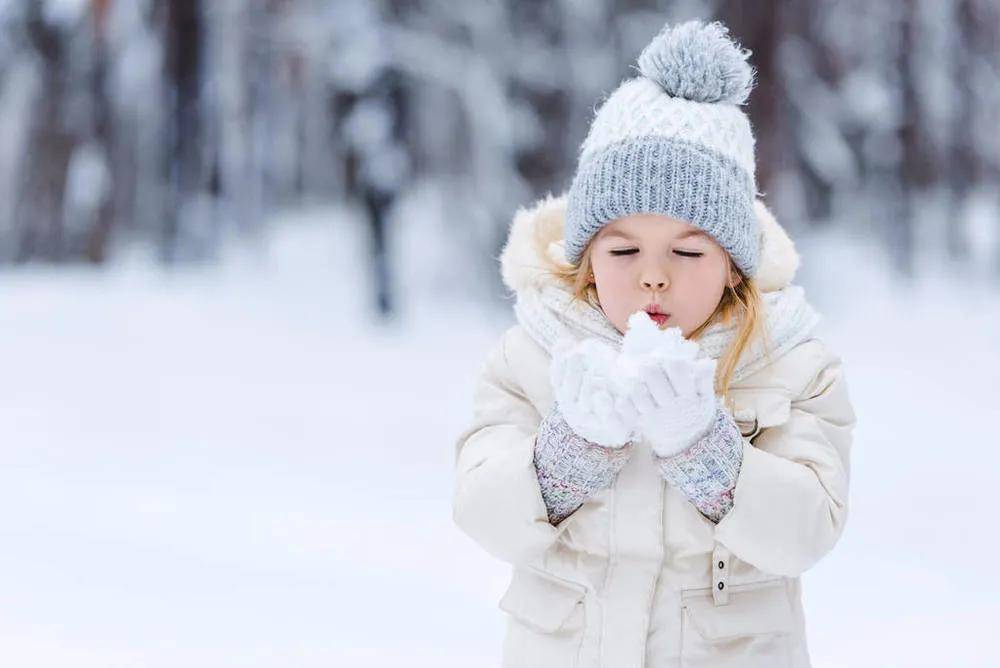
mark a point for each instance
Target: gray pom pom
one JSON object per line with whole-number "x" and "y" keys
{"x": 698, "y": 62}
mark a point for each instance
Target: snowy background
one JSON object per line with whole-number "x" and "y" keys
{"x": 247, "y": 281}
{"x": 240, "y": 466}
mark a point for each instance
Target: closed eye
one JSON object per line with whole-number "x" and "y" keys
{"x": 631, "y": 251}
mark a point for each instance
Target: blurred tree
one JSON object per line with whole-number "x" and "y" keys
{"x": 38, "y": 215}
{"x": 180, "y": 124}
{"x": 186, "y": 167}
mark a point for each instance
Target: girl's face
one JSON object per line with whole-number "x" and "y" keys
{"x": 650, "y": 259}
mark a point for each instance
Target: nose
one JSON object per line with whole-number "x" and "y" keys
{"x": 655, "y": 279}
{"x": 653, "y": 273}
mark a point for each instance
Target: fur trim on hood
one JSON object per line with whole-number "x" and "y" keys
{"x": 535, "y": 242}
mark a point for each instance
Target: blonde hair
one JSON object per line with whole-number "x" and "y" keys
{"x": 742, "y": 303}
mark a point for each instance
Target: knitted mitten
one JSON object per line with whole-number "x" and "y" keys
{"x": 570, "y": 468}
{"x": 698, "y": 447}
{"x": 706, "y": 472}
{"x": 587, "y": 437}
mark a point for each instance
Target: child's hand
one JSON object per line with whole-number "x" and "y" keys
{"x": 673, "y": 390}
{"x": 584, "y": 384}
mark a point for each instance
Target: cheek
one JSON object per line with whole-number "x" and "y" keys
{"x": 704, "y": 284}
{"x": 614, "y": 283}
{"x": 611, "y": 275}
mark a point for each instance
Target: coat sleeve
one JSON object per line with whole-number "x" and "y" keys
{"x": 790, "y": 500}
{"x": 497, "y": 499}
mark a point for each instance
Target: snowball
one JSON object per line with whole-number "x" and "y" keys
{"x": 645, "y": 342}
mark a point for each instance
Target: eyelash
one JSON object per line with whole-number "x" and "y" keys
{"x": 632, "y": 251}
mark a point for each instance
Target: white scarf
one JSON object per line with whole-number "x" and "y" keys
{"x": 549, "y": 313}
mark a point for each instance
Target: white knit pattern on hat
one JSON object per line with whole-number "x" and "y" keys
{"x": 639, "y": 108}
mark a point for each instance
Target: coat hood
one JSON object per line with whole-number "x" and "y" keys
{"x": 535, "y": 242}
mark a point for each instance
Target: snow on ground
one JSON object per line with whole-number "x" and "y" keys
{"x": 240, "y": 466}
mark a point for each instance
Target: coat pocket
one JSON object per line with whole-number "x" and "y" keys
{"x": 541, "y": 601}
{"x": 757, "y": 408}
{"x": 753, "y": 629}
{"x": 547, "y": 620}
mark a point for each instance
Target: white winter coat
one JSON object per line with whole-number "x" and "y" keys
{"x": 637, "y": 576}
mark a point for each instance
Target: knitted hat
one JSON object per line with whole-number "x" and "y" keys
{"x": 673, "y": 141}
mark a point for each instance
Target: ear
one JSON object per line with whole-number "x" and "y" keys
{"x": 734, "y": 278}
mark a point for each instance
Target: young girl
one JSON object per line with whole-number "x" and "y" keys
{"x": 660, "y": 446}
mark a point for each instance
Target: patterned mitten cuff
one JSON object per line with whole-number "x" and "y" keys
{"x": 706, "y": 472}
{"x": 570, "y": 468}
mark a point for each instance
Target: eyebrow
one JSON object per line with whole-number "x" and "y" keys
{"x": 683, "y": 235}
